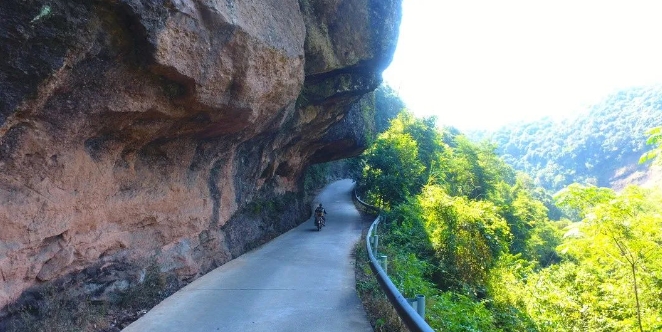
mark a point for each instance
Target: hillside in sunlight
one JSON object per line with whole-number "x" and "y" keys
{"x": 491, "y": 251}
{"x": 600, "y": 147}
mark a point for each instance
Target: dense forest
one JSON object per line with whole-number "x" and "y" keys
{"x": 494, "y": 252}
{"x": 599, "y": 147}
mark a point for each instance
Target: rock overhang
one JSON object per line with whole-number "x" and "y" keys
{"x": 133, "y": 130}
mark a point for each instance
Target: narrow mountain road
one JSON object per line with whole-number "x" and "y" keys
{"x": 301, "y": 281}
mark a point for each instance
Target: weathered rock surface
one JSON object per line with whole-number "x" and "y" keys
{"x": 171, "y": 131}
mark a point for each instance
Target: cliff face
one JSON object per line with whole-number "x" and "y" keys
{"x": 171, "y": 131}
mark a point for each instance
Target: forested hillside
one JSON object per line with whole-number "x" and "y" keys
{"x": 601, "y": 147}
{"x": 482, "y": 242}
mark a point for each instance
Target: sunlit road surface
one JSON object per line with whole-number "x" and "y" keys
{"x": 301, "y": 281}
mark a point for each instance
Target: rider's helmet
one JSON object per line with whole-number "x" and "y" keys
{"x": 320, "y": 204}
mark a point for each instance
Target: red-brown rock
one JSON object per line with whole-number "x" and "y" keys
{"x": 147, "y": 131}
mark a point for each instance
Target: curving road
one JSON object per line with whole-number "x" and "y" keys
{"x": 301, "y": 281}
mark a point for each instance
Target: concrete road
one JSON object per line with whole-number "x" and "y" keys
{"x": 301, "y": 281}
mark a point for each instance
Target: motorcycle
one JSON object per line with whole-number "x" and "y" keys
{"x": 319, "y": 222}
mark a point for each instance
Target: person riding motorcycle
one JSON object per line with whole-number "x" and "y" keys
{"x": 320, "y": 212}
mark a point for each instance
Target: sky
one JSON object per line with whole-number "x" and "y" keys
{"x": 482, "y": 64}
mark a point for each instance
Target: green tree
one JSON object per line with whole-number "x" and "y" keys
{"x": 577, "y": 200}
{"x": 655, "y": 139}
{"x": 467, "y": 236}
{"x": 427, "y": 137}
{"x": 474, "y": 170}
{"x": 392, "y": 168}
{"x": 524, "y": 213}
{"x": 625, "y": 235}
{"x": 388, "y": 105}
{"x": 610, "y": 276}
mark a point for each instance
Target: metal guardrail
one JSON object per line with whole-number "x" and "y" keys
{"x": 407, "y": 313}
{"x": 366, "y": 205}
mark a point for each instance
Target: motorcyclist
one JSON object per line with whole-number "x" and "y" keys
{"x": 320, "y": 212}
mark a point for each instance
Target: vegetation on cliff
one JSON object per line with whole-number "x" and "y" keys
{"x": 488, "y": 249}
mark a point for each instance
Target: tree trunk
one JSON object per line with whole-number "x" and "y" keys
{"x": 636, "y": 295}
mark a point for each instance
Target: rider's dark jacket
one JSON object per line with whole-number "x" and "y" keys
{"x": 320, "y": 211}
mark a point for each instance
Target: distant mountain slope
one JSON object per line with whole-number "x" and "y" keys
{"x": 601, "y": 147}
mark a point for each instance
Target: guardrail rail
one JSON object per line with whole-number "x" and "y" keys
{"x": 410, "y": 317}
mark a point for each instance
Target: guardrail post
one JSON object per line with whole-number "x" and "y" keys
{"x": 375, "y": 244}
{"x": 420, "y": 305}
{"x": 383, "y": 261}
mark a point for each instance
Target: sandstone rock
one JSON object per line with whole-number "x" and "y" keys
{"x": 139, "y": 131}
{"x": 58, "y": 263}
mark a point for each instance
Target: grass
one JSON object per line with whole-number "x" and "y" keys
{"x": 62, "y": 308}
{"x": 58, "y": 311}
